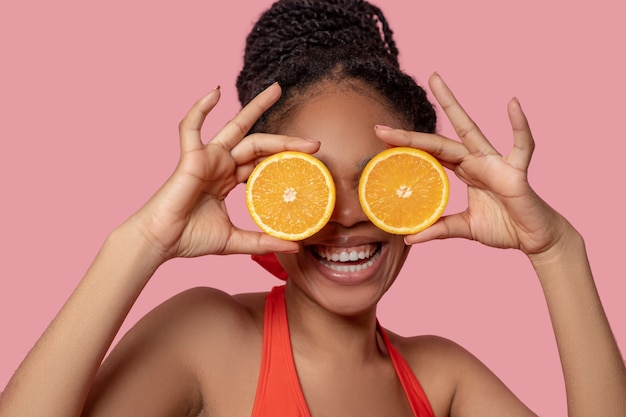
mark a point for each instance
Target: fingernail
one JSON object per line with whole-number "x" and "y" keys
{"x": 312, "y": 140}
{"x": 382, "y": 127}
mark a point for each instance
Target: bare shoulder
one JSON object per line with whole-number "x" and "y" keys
{"x": 209, "y": 306}
{"x": 181, "y": 353}
{"x": 209, "y": 328}
{"x": 194, "y": 318}
{"x": 429, "y": 353}
{"x": 455, "y": 381}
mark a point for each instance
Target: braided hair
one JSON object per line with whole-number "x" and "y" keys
{"x": 301, "y": 43}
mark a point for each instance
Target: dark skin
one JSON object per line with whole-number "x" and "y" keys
{"x": 201, "y": 350}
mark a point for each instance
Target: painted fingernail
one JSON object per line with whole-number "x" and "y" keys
{"x": 215, "y": 90}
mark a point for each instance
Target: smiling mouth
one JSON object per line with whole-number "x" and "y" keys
{"x": 347, "y": 259}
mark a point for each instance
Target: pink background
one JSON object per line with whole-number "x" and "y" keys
{"x": 90, "y": 99}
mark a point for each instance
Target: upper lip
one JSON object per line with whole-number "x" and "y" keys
{"x": 336, "y": 235}
{"x": 342, "y": 240}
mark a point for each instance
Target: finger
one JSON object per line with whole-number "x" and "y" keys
{"x": 441, "y": 147}
{"x": 523, "y": 142}
{"x": 451, "y": 226}
{"x": 238, "y": 127}
{"x": 258, "y": 243}
{"x": 253, "y": 152}
{"x": 263, "y": 144}
{"x": 465, "y": 128}
{"x": 191, "y": 125}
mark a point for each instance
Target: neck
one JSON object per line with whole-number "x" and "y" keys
{"x": 331, "y": 337}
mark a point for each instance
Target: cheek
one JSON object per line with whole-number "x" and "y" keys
{"x": 398, "y": 252}
{"x": 287, "y": 261}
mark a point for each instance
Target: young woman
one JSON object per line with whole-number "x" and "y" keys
{"x": 320, "y": 77}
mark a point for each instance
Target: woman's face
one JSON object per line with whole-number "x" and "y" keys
{"x": 348, "y": 265}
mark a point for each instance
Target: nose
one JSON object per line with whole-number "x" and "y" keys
{"x": 348, "y": 211}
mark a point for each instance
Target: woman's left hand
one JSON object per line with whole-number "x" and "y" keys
{"x": 503, "y": 210}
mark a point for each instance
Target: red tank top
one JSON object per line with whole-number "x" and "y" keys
{"x": 279, "y": 393}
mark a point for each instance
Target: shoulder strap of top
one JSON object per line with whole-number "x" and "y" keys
{"x": 417, "y": 397}
{"x": 278, "y": 390}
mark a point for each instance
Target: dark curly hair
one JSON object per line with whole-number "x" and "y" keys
{"x": 301, "y": 43}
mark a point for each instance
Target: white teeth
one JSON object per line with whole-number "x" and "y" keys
{"x": 346, "y": 254}
{"x": 331, "y": 257}
{"x": 351, "y": 268}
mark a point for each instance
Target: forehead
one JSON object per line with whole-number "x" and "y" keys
{"x": 343, "y": 120}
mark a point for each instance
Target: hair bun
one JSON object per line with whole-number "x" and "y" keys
{"x": 327, "y": 29}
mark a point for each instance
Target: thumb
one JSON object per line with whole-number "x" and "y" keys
{"x": 258, "y": 243}
{"x": 446, "y": 227}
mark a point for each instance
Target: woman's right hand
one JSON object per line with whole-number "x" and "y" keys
{"x": 187, "y": 216}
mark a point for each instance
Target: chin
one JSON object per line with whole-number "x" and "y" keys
{"x": 345, "y": 279}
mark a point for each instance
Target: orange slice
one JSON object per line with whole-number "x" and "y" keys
{"x": 403, "y": 190}
{"x": 290, "y": 195}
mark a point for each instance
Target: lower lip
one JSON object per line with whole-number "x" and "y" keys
{"x": 350, "y": 277}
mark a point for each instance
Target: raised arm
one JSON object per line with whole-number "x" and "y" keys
{"x": 186, "y": 217}
{"x": 503, "y": 211}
